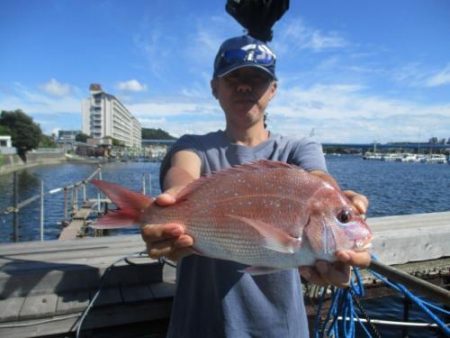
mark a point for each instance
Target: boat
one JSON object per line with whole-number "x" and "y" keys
{"x": 435, "y": 159}
{"x": 392, "y": 157}
{"x": 372, "y": 156}
{"x": 411, "y": 158}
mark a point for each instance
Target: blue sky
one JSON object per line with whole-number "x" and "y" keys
{"x": 351, "y": 70}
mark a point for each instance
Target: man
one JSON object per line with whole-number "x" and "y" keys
{"x": 214, "y": 299}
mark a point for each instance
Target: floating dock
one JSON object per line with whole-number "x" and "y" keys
{"x": 45, "y": 286}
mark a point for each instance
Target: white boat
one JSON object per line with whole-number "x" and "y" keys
{"x": 435, "y": 158}
{"x": 392, "y": 157}
{"x": 408, "y": 157}
{"x": 372, "y": 156}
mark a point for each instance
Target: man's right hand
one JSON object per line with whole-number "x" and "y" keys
{"x": 167, "y": 240}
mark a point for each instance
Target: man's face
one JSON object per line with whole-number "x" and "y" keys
{"x": 244, "y": 94}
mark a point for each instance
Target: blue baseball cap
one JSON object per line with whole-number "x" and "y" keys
{"x": 244, "y": 51}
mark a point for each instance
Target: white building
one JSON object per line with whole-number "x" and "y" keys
{"x": 6, "y": 145}
{"x": 103, "y": 115}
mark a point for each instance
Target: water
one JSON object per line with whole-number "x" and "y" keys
{"x": 57, "y": 176}
{"x": 393, "y": 188}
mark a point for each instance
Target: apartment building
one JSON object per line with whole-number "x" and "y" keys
{"x": 103, "y": 115}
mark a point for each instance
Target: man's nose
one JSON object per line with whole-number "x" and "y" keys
{"x": 244, "y": 88}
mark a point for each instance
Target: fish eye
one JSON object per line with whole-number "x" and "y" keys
{"x": 344, "y": 216}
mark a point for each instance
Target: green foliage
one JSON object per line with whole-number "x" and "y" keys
{"x": 4, "y": 130}
{"x": 47, "y": 142}
{"x": 81, "y": 137}
{"x": 25, "y": 134}
{"x": 156, "y": 134}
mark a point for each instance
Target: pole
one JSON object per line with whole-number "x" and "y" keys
{"x": 84, "y": 193}
{"x": 42, "y": 211}
{"x": 65, "y": 204}
{"x": 99, "y": 208}
{"x": 143, "y": 184}
{"x": 16, "y": 209}
{"x": 425, "y": 288}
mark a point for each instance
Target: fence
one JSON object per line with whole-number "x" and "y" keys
{"x": 71, "y": 193}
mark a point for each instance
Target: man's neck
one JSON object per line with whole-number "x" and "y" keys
{"x": 249, "y": 137}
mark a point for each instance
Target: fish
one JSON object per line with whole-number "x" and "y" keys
{"x": 267, "y": 215}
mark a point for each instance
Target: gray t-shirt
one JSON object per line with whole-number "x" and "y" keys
{"x": 213, "y": 299}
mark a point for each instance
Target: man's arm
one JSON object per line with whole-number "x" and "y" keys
{"x": 169, "y": 240}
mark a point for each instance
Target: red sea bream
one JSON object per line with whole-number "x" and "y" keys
{"x": 268, "y": 215}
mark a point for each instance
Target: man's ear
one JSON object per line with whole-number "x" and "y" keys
{"x": 214, "y": 87}
{"x": 274, "y": 87}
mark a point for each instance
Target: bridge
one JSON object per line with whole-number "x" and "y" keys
{"x": 363, "y": 147}
{"x": 420, "y": 147}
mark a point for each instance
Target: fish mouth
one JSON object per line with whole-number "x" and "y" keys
{"x": 363, "y": 245}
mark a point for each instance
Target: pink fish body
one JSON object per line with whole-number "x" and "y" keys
{"x": 268, "y": 215}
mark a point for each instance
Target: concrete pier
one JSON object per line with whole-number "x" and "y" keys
{"x": 45, "y": 286}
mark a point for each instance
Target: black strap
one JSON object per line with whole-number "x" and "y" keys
{"x": 257, "y": 16}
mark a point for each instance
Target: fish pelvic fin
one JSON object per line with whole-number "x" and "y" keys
{"x": 274, "y": 239}
{"x": 130, "y": 204}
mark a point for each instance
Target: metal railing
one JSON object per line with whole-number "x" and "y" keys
{"x": 18, "y": 206}
{"x": 71, "y": 193}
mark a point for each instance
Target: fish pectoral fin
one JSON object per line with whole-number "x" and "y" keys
{"x": 259, "y": 270}
{"x": 274, "y": 239}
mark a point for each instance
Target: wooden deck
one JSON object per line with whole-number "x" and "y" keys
{"x": 44, "y": 286}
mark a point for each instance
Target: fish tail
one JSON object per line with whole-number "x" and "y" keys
{"x": 130, "y": 206}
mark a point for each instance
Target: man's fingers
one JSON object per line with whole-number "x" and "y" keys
{"x": 168, "y": 197}
{"x": 171, "y": 248}
{"x": 313, "y": 276}
{"x": 158, "y": 232}
{"x": 360, "y": 202}
{"x": 165, "y": 199}
{"x": 359, "y": 259}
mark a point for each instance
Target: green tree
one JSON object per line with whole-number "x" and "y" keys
{"x": 156, "y": 134}
{"x": 4, "y": 130}
{"x": 47, "y": 142}
{"x": 81, "y": 137}
{"x": 25, "y": 134}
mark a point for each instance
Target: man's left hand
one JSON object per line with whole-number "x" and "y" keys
{"x": 338, "y": 273}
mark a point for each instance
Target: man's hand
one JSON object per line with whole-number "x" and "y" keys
{"x": 338, "y": 273}
{"x": 167, "y": 240}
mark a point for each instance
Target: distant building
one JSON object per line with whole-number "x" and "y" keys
{"x": 103, "y": 116}
{"x": 67, "y": 136}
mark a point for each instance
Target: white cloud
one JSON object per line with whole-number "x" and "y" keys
{"x": 346, "y": 113}
{"x": 21, "y": 97}
{"x": 440, "y": 78}
{"x": 131, "y": 86}
{"x": 55, "y": 88}
{"x": 418, "y": 75}
{"x": 172, "y": 108}
{"x": 297, "y": 33}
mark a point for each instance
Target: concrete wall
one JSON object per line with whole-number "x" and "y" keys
{"x": 11, "y": 163}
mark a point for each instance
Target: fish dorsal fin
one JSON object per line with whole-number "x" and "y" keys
{"x": 238, "y": 169}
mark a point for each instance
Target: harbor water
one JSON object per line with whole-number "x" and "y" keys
{"x": 393, "y": 188}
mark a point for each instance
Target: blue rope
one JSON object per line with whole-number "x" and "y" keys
{"x": 416, "y": 300}
{"x": 342, "y": 304}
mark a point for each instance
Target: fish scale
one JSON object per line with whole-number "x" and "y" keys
{"x": 266, "y": 214}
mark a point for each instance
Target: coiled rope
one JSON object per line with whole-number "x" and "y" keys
{"x": 342, "y": 315}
